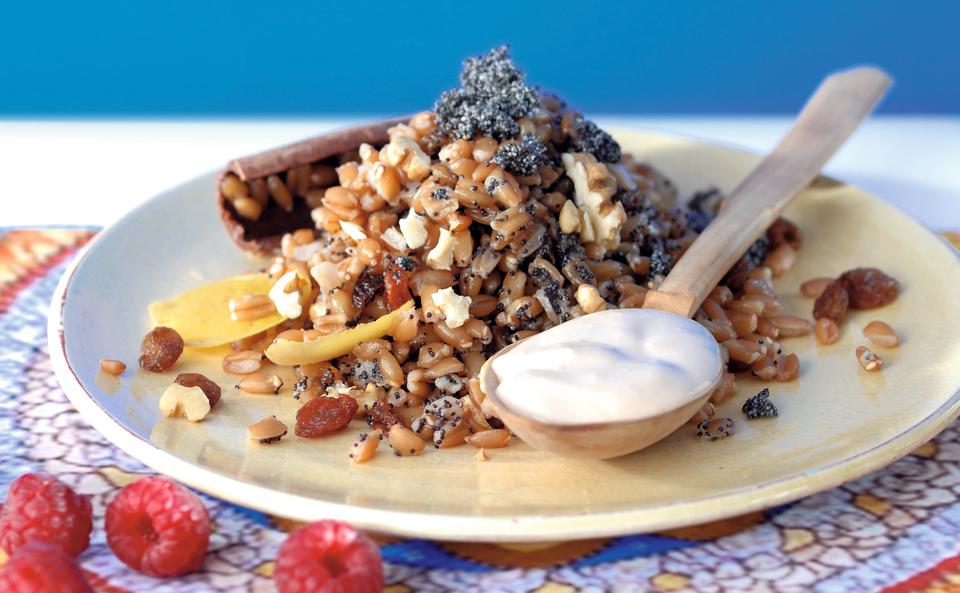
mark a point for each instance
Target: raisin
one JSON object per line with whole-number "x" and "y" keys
{"x": 396, "y": 279}
{"x": 160, "y": 349}
{"x": 367, "y": 287}
{"x": 783, "y": 232}
{"x": 325, "y": 415}
{"x": 382, "y": 415}
{"x": 210, "y": 389}
{"x": 832, "y": 302}
{"x": 869, "y": 288}
{"x": 738, "y": 274}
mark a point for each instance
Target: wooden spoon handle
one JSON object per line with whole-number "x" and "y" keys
{"x": 838, "y": 106}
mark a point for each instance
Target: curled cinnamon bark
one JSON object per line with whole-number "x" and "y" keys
{"x": 262, "y": 235}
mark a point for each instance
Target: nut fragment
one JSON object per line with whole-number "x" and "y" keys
{"x": 188, "y": 402}
{"x": 210, "y": 389}
{"x": 490, "y": 439}
{"x": 868, "y": 360}
{"x": 481, "y": 455}
{"x": 881, "y": 334}
{"x": 269, "y": 430}
{"x": 112, "y": 367}
{"x": 260, "y": 383}
{"x": 404, "y": 441}
{"x": 365, "y": 445}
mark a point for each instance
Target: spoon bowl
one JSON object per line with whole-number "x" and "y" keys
{"x": 601, "y": 440}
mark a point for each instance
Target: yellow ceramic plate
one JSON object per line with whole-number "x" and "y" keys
{"x": 837, "y": 422}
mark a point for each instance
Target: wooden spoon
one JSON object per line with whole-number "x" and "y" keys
{"x": 837, "y": 107}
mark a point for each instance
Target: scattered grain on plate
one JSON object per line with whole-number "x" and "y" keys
{"x": 112, "y": 367}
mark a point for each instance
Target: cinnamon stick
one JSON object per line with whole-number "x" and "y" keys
{"x": 263, "y": 235}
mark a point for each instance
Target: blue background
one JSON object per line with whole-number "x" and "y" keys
{"x": 297, "y": 57}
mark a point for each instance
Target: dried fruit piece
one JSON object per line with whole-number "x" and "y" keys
{"x": 783, "y": 232}
{"x": 160, "y": 349}
{"x": 760, "y": 406}
{"x": 158, "y": 527}
{"x": 328, "y": 556}
{"x": 210, "y": 389}
{"x": 881, "y": 334}
{"x": 869, "y": 288}
{"x": 325, "y": 415}
{"x": 832, "y": 302}
{"x": 396, "y": 280}
{"x": 286, "y": 352}
{"x": 367, "y": 287}
{"x": 868, "y": 360}
{"x": 383, "y": 415}
{"x": 40, "y": 508}
{"x": 202, "y": 314}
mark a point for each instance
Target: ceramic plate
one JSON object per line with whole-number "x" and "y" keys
{"x": 836, "y": 422}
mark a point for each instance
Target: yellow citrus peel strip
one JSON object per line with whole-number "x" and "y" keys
{"x": 290, "y": 352}
{"x": 202, "y": 315}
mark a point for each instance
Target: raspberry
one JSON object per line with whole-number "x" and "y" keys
{"x": 158, "y": 527}
{"x": 40, "y": 508}
{"x": 42, "y": 568}
{"x": 328, "y": 557}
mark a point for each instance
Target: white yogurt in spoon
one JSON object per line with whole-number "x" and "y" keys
{"x": 615, "y": 365}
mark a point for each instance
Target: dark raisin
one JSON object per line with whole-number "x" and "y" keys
{"x": 325, "y": 415}
{"x": 367, "y": 287}
{"x": 382, "y": 415}
{"x": 832, "y": 303}
{"x": 210, "y": 389}
{"x": 869, "y": 288}
{"x": 396, "y": 279}
{"x": 160, "y": 349}
{"x": 783, "y": 232}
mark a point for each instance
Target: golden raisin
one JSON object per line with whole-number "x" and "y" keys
{"x": 160, "y": 349}
{"x": 783, "y": 232}
{"x": 325, "y": 415}
{"x": 869, "y": 288}
{"x": 832, "y": 302}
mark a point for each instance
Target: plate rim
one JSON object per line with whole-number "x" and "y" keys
{"x": 506, "y": 528}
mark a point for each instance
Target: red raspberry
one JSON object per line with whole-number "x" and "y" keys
{"x": 40, "y": 508}
{"x": 158, "y": 527}
{"x": 328, "y": 557}
{"x": 38, "y": 567}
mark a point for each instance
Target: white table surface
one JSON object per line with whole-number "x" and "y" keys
{"x": 89, "y": 173}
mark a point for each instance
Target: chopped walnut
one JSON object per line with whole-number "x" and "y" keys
{"x": 594, "y": 188}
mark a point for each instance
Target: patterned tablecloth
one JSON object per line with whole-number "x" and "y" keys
{"x": 893, "y": 531}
